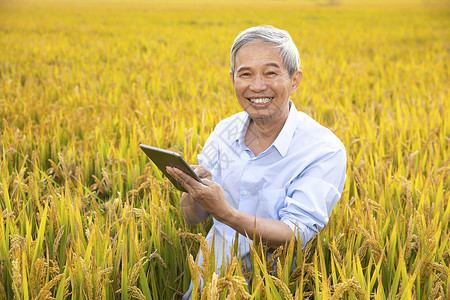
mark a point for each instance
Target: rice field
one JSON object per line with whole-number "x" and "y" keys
{"x": 85, "y": 215}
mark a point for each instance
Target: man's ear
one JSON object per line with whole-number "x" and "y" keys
{"x": 232, "y": 77}
{"x": 296, "y": 78}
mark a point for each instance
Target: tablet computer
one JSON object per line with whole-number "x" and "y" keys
{"x": 163, "y": 158}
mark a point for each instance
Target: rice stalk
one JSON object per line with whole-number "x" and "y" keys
{"x": 45, "y": 292}
{"x": 17, "y": 277}
{"x": 276, "y": 254}
{"x": 211, "y": 290}
{"x": 135, "y": 292}
{"x": 282, "y": 287}
{"x": 67, "y": 285}
{"x": 351, "y": 285}
{"x": 374, "y": 245}
{"x": 409, "y": 244}
{"x": 38, "y": 276}
{"x": 134, "y": 274}
{"x": 57, "y": 241}
{"x": 2, "y": 291}
{"x": 158, "y": 258}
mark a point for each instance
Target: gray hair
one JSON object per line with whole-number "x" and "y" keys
{"x": 270, "y": 35}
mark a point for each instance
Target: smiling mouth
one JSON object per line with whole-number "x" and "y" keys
{"x": 260, "y": 100}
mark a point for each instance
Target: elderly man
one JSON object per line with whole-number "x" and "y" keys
{"x": 270, "y": 171}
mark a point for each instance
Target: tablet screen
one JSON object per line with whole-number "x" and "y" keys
{"x": 163, "y": 158}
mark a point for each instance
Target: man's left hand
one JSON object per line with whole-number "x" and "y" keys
{"x": 209, "y": 194}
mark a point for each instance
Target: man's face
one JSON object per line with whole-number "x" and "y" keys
{"x": 262, "y": 83}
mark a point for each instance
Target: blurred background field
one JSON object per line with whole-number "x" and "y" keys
{"x": 82, "y": 83}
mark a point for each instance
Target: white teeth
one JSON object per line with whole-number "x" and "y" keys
{"x": 260, "y": 100}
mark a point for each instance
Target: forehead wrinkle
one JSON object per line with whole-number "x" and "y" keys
{"x": 271, "y": 64}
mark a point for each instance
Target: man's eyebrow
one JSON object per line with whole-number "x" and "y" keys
{"x": 243, "y": 69}
{"x": 266, "y": 65}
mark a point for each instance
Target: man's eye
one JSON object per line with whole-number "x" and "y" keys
{"x": 244, "y": 74}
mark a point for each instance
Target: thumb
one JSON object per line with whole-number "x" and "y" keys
{"x": 209, "y": 183}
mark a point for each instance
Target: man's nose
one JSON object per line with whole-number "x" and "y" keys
{"x": 258, "y": 84}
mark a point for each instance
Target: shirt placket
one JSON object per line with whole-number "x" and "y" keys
{"x": 247, "y": 190}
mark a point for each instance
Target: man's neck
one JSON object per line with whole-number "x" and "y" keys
{"x": 262, "y": 133}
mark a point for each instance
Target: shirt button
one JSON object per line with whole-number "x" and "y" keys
{"x": 252, "y": 162}
{"x": 245, "y": 193}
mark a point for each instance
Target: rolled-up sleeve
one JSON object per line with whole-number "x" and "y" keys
{"x": 312, "y": 195}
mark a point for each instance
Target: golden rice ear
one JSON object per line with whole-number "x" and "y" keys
{"x": 2, "y": 291}
{"x": 351, "y": 285}
{"x": 46, "y": 290}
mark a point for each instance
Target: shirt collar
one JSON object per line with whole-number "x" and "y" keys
{"x": 240, "y": 136}
{"x": 283, "y": 139}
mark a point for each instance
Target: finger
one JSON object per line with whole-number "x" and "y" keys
{"x": 184, "y": 179}
{"x": 173, "y": 172}
{"x": 211, "y": 184}
{"x": 201, "y": 172}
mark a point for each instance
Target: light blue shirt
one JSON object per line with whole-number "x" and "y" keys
{"x": 297, "y": 180}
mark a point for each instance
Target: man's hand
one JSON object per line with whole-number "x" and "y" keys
{"x": 209, "y": 198}
{"x": 201, "y": 172}
{"x": 208, "y": 195}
